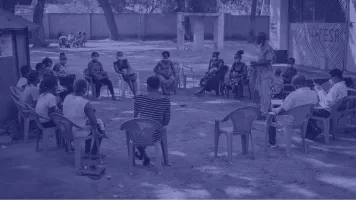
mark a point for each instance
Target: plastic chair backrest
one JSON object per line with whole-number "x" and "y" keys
{"x": 15, "y": 92}
{"x": 300, "y": 114}
{"x": 242, "y": 118}
{"x": 141, "y": 131}
{"x": 21, "y": 107}
{"x": 64, "y": 125}
{"x": 35, "y": 116}
{"x": 343, "y": 105}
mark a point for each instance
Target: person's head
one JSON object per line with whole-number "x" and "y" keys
{"x": 33, "y": 77}
{"x": 166, "y": 55}
{"x": 47, "y": 62}
{"x": 261, "y": 38}
{"x": 238, "y": 56}
{"x": 48, "y": 84}
{"x": 153, "y": 83}
{"x": 80, "y": 87}
{"x": 95, "y": 56}
{"x": 335, "y": 76}
{"x": 40, "y": 67}
{"x": 119, "y": 55}
{"x": 291, "y": 61}
{"x": 80, "y": 33}
{"x": 298, "y": 81}
{"x": 84, "y": 33}
{"x": 215, "y": 55}
{"x": 62, "y": 58}
{"x": 25, "y": 70}
{"x": 278, "y": 72}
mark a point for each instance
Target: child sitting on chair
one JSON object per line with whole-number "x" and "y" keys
{"x": 277, "y": 84}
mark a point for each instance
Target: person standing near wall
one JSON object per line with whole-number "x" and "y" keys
{"x": 264, "y": 73}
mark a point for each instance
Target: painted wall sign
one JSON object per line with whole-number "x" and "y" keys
{"x": 319, "y": 45}
{"x": 6, "y": 46}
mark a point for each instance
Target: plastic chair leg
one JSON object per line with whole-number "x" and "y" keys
{"x": 158, "y": 163}
{"x": 164, "y": 146}
{"x": 26, "y": 128}
{"x": 288, "y": 130}
{"x": 252, "y": 147}
{"x": 244, "y": 143}
{"x": 131, "y": 157}
{"x": 326, "y": 131}
{"x": 45, "y": 139}
{"x": 229, "y": 146}
{"x": 78, "y": 152}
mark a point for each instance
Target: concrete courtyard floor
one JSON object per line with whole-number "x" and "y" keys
{"x": 327, "y": 171}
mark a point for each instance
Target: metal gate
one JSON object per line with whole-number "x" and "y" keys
{"x": 318, "y": 32}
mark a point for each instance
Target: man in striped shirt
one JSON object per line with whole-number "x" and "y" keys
{"x": 152, "y": 106}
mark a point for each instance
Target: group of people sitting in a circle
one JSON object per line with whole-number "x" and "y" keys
{"x": 54, "y": 89}
{"x": 72, "y": 41}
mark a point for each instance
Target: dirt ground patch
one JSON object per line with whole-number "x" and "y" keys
{"x": 327, "y": 171}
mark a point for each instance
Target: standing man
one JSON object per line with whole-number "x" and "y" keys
{"x": 264, "y": 73}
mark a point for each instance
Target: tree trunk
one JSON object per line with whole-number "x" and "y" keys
{"x": 252, "y": 33}
{"x": 39, "y": 36}
{"x": 110, "y": 19}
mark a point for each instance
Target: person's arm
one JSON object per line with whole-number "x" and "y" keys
{"x": 268, "y": 57}
{"x": 35, "y": 95}
{"x": 326, "y": 99}
{"x": 167, "y": 114}
{"x": 117, "y": 70}
{"x": 129, "y": 68}
{"x": 287, "y": 104}
{"x": 210, "y": 65}
{"x": 52, "y": 104}
{"x": 156, "y": 69}
{"x": 89, "y": 112}
{"x": 91, "y": 71}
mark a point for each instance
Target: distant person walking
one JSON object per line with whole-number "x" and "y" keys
{"x": 264, "y": 73}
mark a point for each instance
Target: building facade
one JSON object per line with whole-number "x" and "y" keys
{"x": 317, "y": 33}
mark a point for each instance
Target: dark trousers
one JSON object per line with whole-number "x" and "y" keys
{"x": 100, "y": 83}
{"x": 92, "y": 149}
{"x": 313, "y": 130}
{"x": 272, "y": 134}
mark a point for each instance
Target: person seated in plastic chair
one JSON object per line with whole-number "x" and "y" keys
{"x": 31, "y": 93}
{"x": 80, "y": 111}
{"x": 236, "y": 75}
{"x": 65, "y": 77}
{"x": 165, "y": 72}
{"x": 303, "y": 95}
{"x": 22, "y": 82}
{"x": 152, "y": 106}
{"x": 277, "y": 85}
{"x": 327, "y": 100}
{"x": 99, "y": 76}
{"x": 47, "y": 101}
{"x": 123, "y": 67}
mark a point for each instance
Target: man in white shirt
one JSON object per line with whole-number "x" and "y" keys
{"x": 31, "y": 93}
{"x": 303, "y": 95}
{"x": 337, "y": 92}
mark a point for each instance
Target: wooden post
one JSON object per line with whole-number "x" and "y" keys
{"x": 180, "y": 31}
{"x": 219, "y": 32}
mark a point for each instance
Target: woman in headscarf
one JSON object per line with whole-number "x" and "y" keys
{"x": 211, "y": 79}
{"x": 166, "y": 73}
{"x": 236, "y": 75}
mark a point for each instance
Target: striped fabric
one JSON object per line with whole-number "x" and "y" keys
{"x": 152, "y": 108}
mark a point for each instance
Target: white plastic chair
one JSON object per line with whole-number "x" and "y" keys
{"x": 124, "y": 88}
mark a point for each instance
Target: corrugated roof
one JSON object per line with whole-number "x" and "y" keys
{"x": 9, "y": 20}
